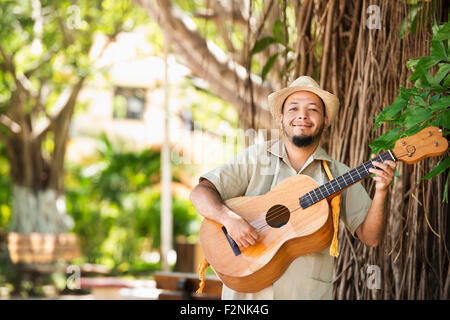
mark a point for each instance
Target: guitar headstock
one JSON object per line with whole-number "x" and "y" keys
{"x": 426, "y": 143}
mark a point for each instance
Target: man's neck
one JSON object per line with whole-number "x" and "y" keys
{"x": 298, "y": 155}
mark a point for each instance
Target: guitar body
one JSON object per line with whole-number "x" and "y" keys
{"x": 302, "y": 231}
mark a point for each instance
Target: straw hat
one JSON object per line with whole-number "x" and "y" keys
{"x": 304, "y": 83}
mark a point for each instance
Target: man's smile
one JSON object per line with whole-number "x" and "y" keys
{"x": 302, "y": 125}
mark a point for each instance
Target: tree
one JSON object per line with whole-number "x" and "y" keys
{"x": 359, "y": 51}
{"x": 44, "y": 62}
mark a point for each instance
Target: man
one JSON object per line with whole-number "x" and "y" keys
{"x": 303, "y": 110}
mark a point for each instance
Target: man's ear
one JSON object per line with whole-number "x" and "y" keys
{"x": 280, "y": 120}
{"x": 325, "y": 119}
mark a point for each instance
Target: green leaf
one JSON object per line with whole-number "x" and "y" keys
{"x": 445, "y": 197}
{"x": 422, "y": 66}
{"x": 434, "y": 98}
{"x": 386, "y": 141}
{"x": 415, "y": 114}
{"x": 262, "y": 44}
{"x": 444, "y": 119}
{"x": 441, "y": 104}
{"x": 438, "y": 50}
{"x": 268, "y": 66}
{"x": 447, "y": 82}
{"x": 278, "y": 31}
{"x": 410, "y": 21}
{"x": 444, "y": 69}
{"x": 412, "y": 63}
{"x": 390, "y": 112}
{"x": 443, "y": 32}
{"x": 442, "y": 165}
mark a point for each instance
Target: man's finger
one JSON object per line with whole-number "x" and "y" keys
{"x": 378, "y": 172}
{"x": 384, "y": 166}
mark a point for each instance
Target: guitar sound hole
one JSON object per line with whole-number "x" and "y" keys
{"x": 277, "y": 216}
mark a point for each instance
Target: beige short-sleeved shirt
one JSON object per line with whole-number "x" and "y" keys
{"x": 255, "y": 171}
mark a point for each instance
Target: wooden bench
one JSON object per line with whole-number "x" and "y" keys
{"x": 183, "y": 286}
{"x": 42, "y": 248}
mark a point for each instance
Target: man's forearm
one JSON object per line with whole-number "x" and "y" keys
{"x": 371, "y": 231}
{"x": 208, "y": 203}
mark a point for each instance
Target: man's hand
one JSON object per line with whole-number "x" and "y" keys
{"x": 371, "y": 230}
{"x": 240, "y": 230}
{"x": 384, "y": 175}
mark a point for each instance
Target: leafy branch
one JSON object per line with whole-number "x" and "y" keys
{"x": 426, "y": 104}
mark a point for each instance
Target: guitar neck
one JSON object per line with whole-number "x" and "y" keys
{"x": 344, "y": 181}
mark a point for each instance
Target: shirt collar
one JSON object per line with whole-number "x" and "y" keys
{"x": 277, "y": 149}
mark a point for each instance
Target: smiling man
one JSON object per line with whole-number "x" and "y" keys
{"x": 303, "y": 110}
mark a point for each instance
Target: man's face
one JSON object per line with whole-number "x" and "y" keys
{"x": 303, "y": 118}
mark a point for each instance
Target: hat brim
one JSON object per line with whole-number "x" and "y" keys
{"x": 276, "y": 99}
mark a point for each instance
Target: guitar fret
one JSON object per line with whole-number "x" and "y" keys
{"x": 332, "y": 186}
{"x": 344, "y": 182}
{"x": 350, "y": 178}
{"x": 312, "y": 200}
{"x": 321, "y": 192}
{"x": 316, "y": 195}
{"x": 365, "y": 169}
{"x": 358, "y": 173}
{"x": 325, "y": 190}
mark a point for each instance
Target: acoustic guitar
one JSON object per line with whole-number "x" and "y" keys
{"x": 294, "y": 219}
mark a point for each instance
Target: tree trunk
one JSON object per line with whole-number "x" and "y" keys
{"x": 42, "y": 211}
{"x": 38, "y": 203}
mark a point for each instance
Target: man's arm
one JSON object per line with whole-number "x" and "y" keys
{"x": 206, "y": 199}
{"x": 371, "y": 230}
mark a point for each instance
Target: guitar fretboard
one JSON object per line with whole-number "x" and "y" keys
{"x": 342, "y": 182}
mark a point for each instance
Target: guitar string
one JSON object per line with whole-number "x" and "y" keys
{"x": 279, "y": 212}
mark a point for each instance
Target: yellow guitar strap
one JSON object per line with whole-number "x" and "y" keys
{"x": 335, "y": 209}
{"x": 201, "y": 274}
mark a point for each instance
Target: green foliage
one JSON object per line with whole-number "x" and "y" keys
{"x": 278, "y": 37}
{"x": 425, "y": 104}
{"x": 5, "y": 192}
{"x": 116, "y": 205}
{"x": 50, "y": 46}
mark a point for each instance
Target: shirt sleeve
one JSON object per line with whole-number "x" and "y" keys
{"x": 232, "y": 178}
{"x": 355, "y": 203}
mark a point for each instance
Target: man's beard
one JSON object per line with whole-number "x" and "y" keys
{"x": 303, "y": 140}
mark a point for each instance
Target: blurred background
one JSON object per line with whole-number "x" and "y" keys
{"x": 111, "y": 110}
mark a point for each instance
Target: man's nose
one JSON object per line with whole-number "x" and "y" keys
{"x": 302, "y": 114}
